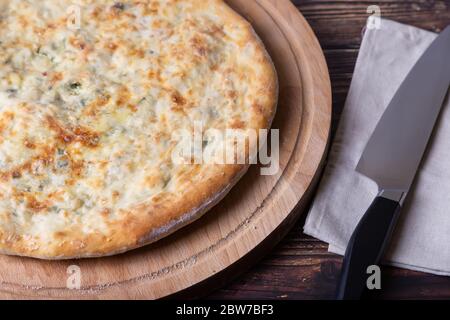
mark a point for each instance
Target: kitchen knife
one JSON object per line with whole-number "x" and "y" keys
{"x": 391, "y": 159}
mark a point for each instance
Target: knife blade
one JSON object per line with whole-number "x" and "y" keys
{"x": 392, "y": 158}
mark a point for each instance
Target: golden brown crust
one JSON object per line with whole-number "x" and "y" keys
{"x": 150, "y": 221}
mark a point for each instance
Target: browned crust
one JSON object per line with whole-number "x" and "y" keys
{"x": 148, "y": 223}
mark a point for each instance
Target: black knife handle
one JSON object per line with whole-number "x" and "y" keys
{"x": 366, "y": 247}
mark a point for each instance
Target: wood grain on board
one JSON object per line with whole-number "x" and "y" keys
{"x": 246, "y": 218}
{"x": 300, "y": 267}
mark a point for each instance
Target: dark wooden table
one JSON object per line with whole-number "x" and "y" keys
{"x": 300, "y": 267}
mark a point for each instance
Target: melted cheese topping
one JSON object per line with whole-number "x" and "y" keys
{"x": 86, "y": 115}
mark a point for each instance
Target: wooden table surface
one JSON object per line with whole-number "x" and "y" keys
{"x": 300, "y": 267}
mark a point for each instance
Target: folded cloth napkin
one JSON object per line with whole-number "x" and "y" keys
{"x": 422, "y": 237}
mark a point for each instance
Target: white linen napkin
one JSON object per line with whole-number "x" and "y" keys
{"x": 422, "y": 237}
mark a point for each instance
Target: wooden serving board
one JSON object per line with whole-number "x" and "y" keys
{"x": 257, "y": 209}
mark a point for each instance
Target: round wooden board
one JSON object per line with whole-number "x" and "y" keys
{"x": 253, "y": 210}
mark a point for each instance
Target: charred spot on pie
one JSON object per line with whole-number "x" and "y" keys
{"x": 16, "y": 175}
{"x": 119, "y": 6}
{"x": 178, "y": 99}
{"x": 34, "y": 205}
{"x": 29, "y": 144}
{"x": 85, "y": 136}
